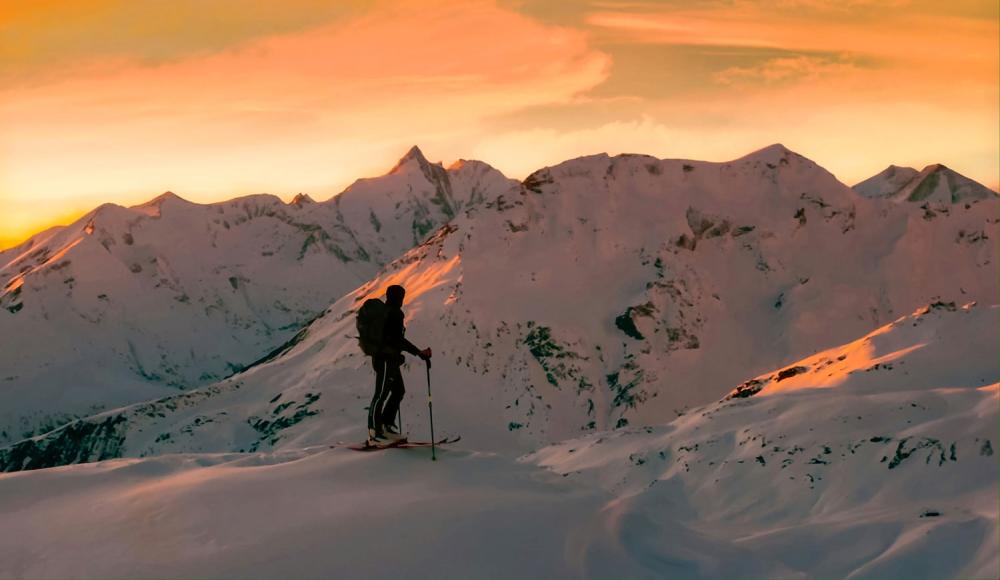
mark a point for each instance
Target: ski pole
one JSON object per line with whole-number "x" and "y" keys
{"x": 430, "y": 409}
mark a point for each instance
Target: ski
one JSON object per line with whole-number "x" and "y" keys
{"x": 369, "y": 446}
{"x": 400, "y": 444}
{"x": 444, "y": 441}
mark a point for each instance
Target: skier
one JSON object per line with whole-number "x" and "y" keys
{"x": 386, "y": 361}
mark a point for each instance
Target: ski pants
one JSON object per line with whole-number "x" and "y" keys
{"x": 389, "y": 391}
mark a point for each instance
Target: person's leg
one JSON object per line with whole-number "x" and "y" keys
{"x": 378, "y": 399}
{"x": 396, "y": 390}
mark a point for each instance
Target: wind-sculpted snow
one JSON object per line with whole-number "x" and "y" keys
{"x": 131, "y": 304}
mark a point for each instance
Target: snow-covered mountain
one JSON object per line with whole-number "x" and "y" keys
{"x": 605, "y": 292}
{"x": 934, "y": 184}
{"x": 659, "y": 368}
{"x": 396, "y": 211}
{"x": 131, "y": 304}
{"x": 872, "y": 459}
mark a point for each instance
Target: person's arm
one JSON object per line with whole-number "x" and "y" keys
{"x": 408, "y": 346}
{"x": 394, "y": 335}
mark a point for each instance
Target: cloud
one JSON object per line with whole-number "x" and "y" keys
{"x": 897, "y": 34}
{"x": 44, "y": 39}
{"x": 115, "y": 100}
{"x": 306, "y": 111}
{"x": 873, "y": 53}
{"x": 802, "y": 68}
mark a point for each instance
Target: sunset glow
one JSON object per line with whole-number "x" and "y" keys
{"x": 116, "y": 101}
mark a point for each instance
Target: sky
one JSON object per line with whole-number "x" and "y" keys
{"x": 121, "y": 100}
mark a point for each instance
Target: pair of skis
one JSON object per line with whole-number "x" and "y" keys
{"x": 398, "y": 444}
{"x": 403, "y": 443}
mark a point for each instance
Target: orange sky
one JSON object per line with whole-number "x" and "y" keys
{"x": 119, "y": 100}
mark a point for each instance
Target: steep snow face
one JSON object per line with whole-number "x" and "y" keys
{"x": 880, "y": 451}
{"x": 935, "y": 184}
{"x": 129, "y": 304}
{"x": 606, "y": 292}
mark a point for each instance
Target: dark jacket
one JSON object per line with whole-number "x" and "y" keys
{"x": 392, "y": 335}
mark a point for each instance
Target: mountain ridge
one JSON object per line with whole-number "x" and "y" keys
{"x": 934, "y": 183}
{"x": 769, "y": 153}
{"x": 137, "y": 280}
{"x": 618, "y": 271}
{"x": 668, "y": 238}
{"x": 722, "y": 369}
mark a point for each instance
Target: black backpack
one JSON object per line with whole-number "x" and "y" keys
{"x": 371, "y": 323}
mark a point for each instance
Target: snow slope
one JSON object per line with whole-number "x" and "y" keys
{"x": 856, "y": 465}
{"x": 874, "y": 459}
{"x": 131, "y": 304}
{"x": 311, "y": 513}
{"x": 606, "y": 292}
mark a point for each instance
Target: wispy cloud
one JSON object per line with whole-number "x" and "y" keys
{"x": 801, "y": 68}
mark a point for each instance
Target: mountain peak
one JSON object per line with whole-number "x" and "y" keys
{"x": 154, "y": 206}
{"x": 460, "y": 163}
{"x": 471, "y": 165}
{"x": 772, "y": 149}
{"x": 772, "y": 154}
{"x": 939, "y": 183}
{"x": 413, "y": 155}
{"x": 935, "y": 182}
{"x": 301, "y": 199}
{"x": 886, "y": 182}
{"x": 939, "y": 168}
{"x": 163, "y": 197}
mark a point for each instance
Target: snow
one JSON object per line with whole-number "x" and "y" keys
{"x": 848, "y": 487}
{"x": 659, "y": 367}
{"x": 607, "y": 292}
{"x": 887, "y": 182}
{"x": 312, "y": 513}
{"x": 886, "y": 474}
{"x": 130, "y": 304}
{"x": 934, "y": 184}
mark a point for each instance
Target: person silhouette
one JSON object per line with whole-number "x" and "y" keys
{"x": 389, "y": 387}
